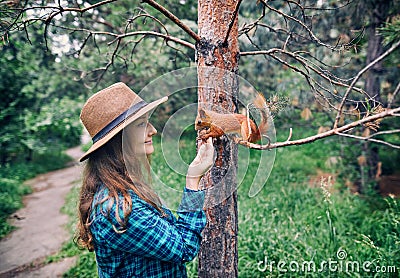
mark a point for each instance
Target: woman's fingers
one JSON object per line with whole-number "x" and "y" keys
{"x": 204, "y": 159}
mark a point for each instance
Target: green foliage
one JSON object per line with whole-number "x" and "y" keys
{"x": 56, "y": 126}
{"x": 391, "y": 31}
{"x": 10, "y": 200}
{"x": 85, "y": 266}
{"x": 39, "y": 107}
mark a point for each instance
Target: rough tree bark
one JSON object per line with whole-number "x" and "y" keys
{"x": 217, "y": 60}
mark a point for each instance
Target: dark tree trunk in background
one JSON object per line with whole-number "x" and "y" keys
{"x": 218, "y": 255}
{"x": 379, "y": 13}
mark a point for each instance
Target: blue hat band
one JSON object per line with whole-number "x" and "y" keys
{"x": 118, "y": 120}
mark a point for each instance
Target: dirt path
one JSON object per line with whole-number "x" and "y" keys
{"x": 40, "y": 226}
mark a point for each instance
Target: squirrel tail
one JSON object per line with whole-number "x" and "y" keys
{"x": 261, "y": 104}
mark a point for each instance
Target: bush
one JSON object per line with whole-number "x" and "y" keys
{"x": 11, "y": 192}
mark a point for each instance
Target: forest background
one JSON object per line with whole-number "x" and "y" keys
{"x": 45, "y": 79}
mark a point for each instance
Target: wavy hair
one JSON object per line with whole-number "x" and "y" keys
{"x": 106, "y": 166}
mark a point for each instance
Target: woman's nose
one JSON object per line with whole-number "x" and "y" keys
{"x": 151, "y": 129}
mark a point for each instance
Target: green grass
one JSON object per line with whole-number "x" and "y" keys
{"x": 12, "y": 187}
{"x": 291, "y": 222}
{"x": 86, "y": 265}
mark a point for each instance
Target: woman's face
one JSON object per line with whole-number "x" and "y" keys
{"x": 140, "y": 133}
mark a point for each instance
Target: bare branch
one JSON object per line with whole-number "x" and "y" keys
{"x": 248, "y": 27}
{"x": 304, "y": 62}
{"x": 146, "y": 15}
{"x": 396, "y": 91}
{"x": 303, "y": 25}
{"x": 329, "y": 9}
{"x": 57, "y": 10}
{"x": 336, "y": 131}
{"x": 385, "y": 132}
{"x": 172, "y": 17}
{"x": 386, "y": 53}
{"x": 120, "y": 37}
{"x": 60, "y": 9}
{"x": 153, "y": 34}
{"x": 15, "y": 14}
{"x": 370, "y": 139}
{"x": 116, "y": 36}
{"x": 290, "y": 134}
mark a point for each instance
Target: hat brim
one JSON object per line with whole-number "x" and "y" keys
{"x": 114, "y": 131}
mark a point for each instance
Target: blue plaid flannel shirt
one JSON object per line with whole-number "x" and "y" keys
{"x": 152, "y": 245}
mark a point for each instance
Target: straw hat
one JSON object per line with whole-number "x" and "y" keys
{"x": 108, "y": 111}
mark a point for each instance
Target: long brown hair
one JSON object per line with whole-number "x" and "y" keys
{"x": 106, "y": 166}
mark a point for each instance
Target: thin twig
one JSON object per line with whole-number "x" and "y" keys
{"x": 394, "y": 95}
{"x": 329, "y": 9}
{"x": 145, "y": 15}
{"x": 248, "y": 27}
{"x": 290, "y": 134}
{"x": 131, "y": 34}
{"x": 385, "y": 132}
{"x": 272, "y": 51}
{"x": 369, "y": 139}
{"x": 302, "y": 24}
{"x": 154, "y": 34}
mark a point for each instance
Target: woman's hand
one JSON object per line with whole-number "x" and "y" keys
{"x": 200, "y": 164}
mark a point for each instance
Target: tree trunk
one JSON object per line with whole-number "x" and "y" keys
{"x": 379, "y": 13}
{"x": 217, "y": 60}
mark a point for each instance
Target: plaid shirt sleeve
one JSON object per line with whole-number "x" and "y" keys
{"x": 148, "y": 234}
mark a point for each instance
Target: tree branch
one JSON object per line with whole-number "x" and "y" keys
{"x": 386, "y": 53}
{"x": 153, "y": 34}
{"x": 396, "y": 91}
{"x": 337, "y": 131}
{"x": 302, "y": 24}
{"x": 271, "y": 52}
{"x": 370, "y": 139}
{"x": 173, "y": 18}
{"x": 61, "y": 9}
{"x": 167, "y": 37}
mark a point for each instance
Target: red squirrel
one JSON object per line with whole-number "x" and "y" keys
{"x": 214, "y": 124}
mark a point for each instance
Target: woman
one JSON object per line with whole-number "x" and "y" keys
{"x": 120, "y": 217}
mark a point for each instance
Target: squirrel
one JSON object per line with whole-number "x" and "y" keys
{"x": 214, "y": 124}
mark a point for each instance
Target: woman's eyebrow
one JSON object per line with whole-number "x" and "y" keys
{"x": 142, "y": 117}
